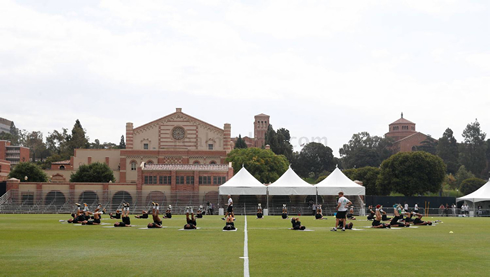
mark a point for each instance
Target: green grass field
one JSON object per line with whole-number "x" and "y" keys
{"x": 38, "y": 245}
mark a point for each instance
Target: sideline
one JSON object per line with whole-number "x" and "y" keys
{"x": 246, "y": 272}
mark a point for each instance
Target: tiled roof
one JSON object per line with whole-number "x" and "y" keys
{"x": 62, "y": 162}
{"x": 187, "y": 167}
{"x": 402, "y": 121}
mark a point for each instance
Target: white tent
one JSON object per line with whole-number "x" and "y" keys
{"x": 337, "y": 182}
{"x": 290, "y": 184}
{"x": 243, "y": 183}
{"x": 481, "y": 194}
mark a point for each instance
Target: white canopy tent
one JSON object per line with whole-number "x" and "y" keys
{"x": 243, "y": 183}
{"x": 290, "y": 184}
{"x": 481, "y": 194}
{"x": 337, "y": 182}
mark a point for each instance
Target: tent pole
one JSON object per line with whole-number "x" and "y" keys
{"x": 316, "y": 196}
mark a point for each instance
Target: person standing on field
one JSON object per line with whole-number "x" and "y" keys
{"x": 342, "y": 205}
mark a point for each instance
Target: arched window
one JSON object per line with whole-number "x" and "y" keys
{"x": 133, "y": 165}
{"x": 149, "y": 162}
{"x": 196, "y": 162}
{"x": 212, "y": 162}
{"x": 62, "y": 167}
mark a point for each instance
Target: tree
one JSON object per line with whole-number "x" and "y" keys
{"x": 240, "y": 143}
{"x": 411, "y": 173}
{"x": 15, "y": 134}
{"x": 470, "y": 185}
{"x": 364, "y": 150}
{"x": 94, "y": 172}
{"x": 473, "y": 149}
{"x": 58, "y": 142}
{"x": 447, "y": 149}
{"x": 78, "y": 138}
{"x": 33, "y": 172}
{"x": 313, "y": 159}
{"x": 368, "y": 175}
{"x": 461, "y": 175}
{"x": 35, "y": 142}
{"x": 428, "y": 145}
{"x": 122, "y": 143}
{"x": 279, "y": 142}
{"x": 263, "y": 164}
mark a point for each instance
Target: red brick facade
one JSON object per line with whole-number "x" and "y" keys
{"x": 13, "y": 154}
{"x": 405, "y": 135}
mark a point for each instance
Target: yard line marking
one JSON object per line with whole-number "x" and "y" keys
{"x": 246, "y": 272}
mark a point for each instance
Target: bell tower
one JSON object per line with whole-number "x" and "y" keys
{"x": 261, "y": 124}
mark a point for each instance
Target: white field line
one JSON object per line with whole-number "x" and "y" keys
{"x": 246, "y": 272}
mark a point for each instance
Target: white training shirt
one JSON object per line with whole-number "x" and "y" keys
{"x": 230, "y": 202}
{"x": 343, "y": 204}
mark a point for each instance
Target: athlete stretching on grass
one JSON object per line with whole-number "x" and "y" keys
{"x": 157, "y": 221}
{"x": 297, "y": 224}
{"x": 95, "y": 220}
{"x": 319, "y": 213}
{"x": 191, "y": 222}
{"x": 342, "y": 205}
{"x": 230, "y": 225}
{"x": 126, "y": 222}
{"x": 418, "y": 220}
{"x": 144, "y": 214}
{"x": 116, "y": 215}
{"x": 168, "y": 212}
{"x": 284, "y": 211}
{"x": 371, "y": 213}
{"x": 377, "y": 220}
{"x": 260, "y": 214}
{"x": 398, "y": 216}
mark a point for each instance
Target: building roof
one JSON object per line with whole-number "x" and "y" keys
{"x": 409, "y": 136}
{"x": 402, "y": 121}
{"x": 262, "y": 114}
{"x": 187, "y": 167}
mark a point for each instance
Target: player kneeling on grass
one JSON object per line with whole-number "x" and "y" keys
{"x": 260, "y": 214}
{"x": 191, "y": 222}
{"x": 319, "y": 213}
{"x": 116, "y": 215}
{"x": 350, "y": 214}
{"x": 418, "y": 220}
{"x": 199, "y": 212}
{"x": 230, "y": 225}
{"x": 168, "y": 212}
{"x": 95, "y": 220}
{"x": 371, "y": 213}
{"x": 284, "y": 211}
{"x": 126, "y": 222}
{"x": 398, "y": 216}
{"x": 157, "y": 221}
{"x": 297, "y": 224}
{"x": 377, "y": 220}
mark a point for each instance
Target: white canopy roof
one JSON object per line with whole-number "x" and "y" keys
{"x": 337, "y": 182}
{"x": 243, "y": 183}
{"x": 290, "y": 184}
{"x": 481, "y": 194}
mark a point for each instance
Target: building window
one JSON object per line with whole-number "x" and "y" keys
{"x": 404, "y": 127}
{"x": 62, "y": 167}
{"x": 179, "y": 180}
{"x": 165, "y": 180}
{"x": 219, "y": 180}
{"x": 145, "y": 146}
{"x": 196, "y": 162}
{"x": 146, "y": 180}
{"x": 189, "y": 180}
{"x": 210, "y": 146}
{"x": 212, "y": 162}
{"x": 133, "y": 165}
{"x": 204, "y": 180}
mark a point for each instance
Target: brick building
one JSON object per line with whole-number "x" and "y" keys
{"x": 13, "y": 154}
{"x": 4, "y": 169}
{"x": 261, "y": 124}
{"x": 406, "y": 137}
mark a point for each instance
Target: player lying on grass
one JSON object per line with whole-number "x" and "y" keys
{"x": 191, "y": 222}
{"x": 347, "y": 227}
{"x": 397, "y": 220}
{"x": 319, "y": 213}
{"x": 384, "y": 215}
{"x": 116, "y": 215}
{"x": 157, "y": 221}
{"x": 144, "y": 214}
{"x": 260, "y": 214}
{"x": 95, "y": 220}
{"x": 79, "y": 216}
{"x": 229, "y": 225}
{"x": 126, "y": 222}
{"x": 284, "y": 211}
{"x": 377, "y": 219}
{"x": 168, "y": 212}
{"x": 418, "y": 220}
{"x": 350, "y": 214}
{"x": 371, "y": 213}
{"x": 297, "y": 224}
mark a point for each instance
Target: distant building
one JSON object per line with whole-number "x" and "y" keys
{"x": 13, "y": 154}
{"x": 261, "y": 124}
{"x": 4, "y": 169}
{"x": 406, "y": 137}
{"x": 5, "y": 125}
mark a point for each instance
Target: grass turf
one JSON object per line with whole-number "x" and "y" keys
{"x": 38, "y": 245}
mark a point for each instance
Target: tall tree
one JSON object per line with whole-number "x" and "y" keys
{"x": 313, "y": 159}
{"x": 78, "y": 137}
{"x": 15, "y": 134}
{"x": 263, "y": 164}
{"x": 240, "y": 143}
{"x": 461, "y": 175}
{"x": 368, "y": 175}
{"x": 412, "y": 173}
{"x": 122, "y": 143}
{"x": 58, "y": 142}
{"x": 35, "y": 142}
{"x": 364, "y": 150}
{"x": 470, "y": 185}
{"x": 279, "y": 142}
{"x": 447, "y": 149}
{"x": 473, "y": 149}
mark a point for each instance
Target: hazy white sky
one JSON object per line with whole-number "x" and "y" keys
{"x": 319, "y": 68}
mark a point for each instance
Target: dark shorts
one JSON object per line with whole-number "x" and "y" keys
{"x": 116, "y": 216}
{"x": 192, "y": 222}
{"x": 341, "y": 215}
{"x": 376, "y": 223}
{"x": 318, "y": 216}
{"x": 155, "y": 225}
{"x": 199, "y": 215}
{"x": 284, "y": 216}
{"x": 121, "y": 224}
{"x": 144, "y": 216}
{"x": 191, "y": 226}
{"x": 168, "y": 215}
{"x": 229, "y": 227}
{"x": 417, "y": 221}
{"x": 259, "y": 215}
{"x": 230, "y": 209}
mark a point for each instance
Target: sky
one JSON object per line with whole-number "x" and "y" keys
{"x": 324, "y": 70}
